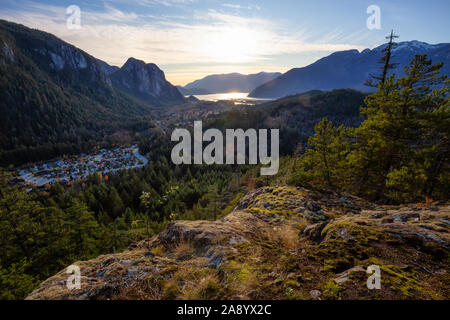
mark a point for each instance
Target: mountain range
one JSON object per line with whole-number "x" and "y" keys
{"x": 57, "y": 99}
{"x": 230, "y": 82}
{"x": 349, "y": 69}
{"x": 146, "y": 82}
{"x": 73, "y": 100}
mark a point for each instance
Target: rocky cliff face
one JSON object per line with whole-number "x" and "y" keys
{"x": 278, "y": 243}
{"x": 61, "y": 61}
{"x": 7, "y": 54}
{"x": 70, "y": 66}
{"x": 146, "y": 82}
{"x": 64, "y": 61}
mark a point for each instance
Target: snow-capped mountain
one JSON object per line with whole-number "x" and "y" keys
{"x": 349, "y": 69}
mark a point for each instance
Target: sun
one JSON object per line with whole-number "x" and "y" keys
{"x": 232, "y": 45}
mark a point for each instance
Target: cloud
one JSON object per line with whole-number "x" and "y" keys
{"x": 238, "y": 6}
{"x": 152, "y": 3}
{"x": 209, "y": 37}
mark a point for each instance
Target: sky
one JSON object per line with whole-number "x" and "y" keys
{"x": 189, "y": 39}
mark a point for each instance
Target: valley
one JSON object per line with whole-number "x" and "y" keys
{"x": 255, "y": 185}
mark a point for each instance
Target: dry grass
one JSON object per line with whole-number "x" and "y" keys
{"x": 171, "y": 290}
{"x": 285, "y": 236}
{"x": 427, "y": 203}
{"x": 289, "y": 237}
{"x": 158, "y": 251}
{"x": 143, "y": 290}
{"x": 206, "y": 289}
{"x": 184, "y": 250}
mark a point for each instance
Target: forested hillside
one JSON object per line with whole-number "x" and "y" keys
{"x": 400, "y": 152}
{"x": 296, "y": 116}
{"x": 363, "y": 179}
{"x": 42, "y": 232}
{"x": 285, "y": 242}
{"x": 69, "y": 104}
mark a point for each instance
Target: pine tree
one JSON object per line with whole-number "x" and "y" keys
{"x": 400, "y": 153}
{"x": 324, "y": 163}
{"x": 83, "y": 229}
{"x": 385, "y": 61}
{"x": 403, "y": 144}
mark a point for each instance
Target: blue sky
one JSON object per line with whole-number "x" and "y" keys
{"x": 189, "y": 39}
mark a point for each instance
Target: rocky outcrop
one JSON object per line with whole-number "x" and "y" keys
{"x": 8, "y": 53}
{"x": 70, "y": 66}
{"x": 106, "y": 68}
{"x": 146, "y": 82}
{"x": 278, "y": 243}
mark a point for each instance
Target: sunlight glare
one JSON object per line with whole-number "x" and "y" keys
{"x": 233, "y": 45}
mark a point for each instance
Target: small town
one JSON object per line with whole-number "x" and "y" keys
{"x": 79, "y": 167}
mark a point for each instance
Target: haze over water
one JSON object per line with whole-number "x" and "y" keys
{"x": 237, "y": 97}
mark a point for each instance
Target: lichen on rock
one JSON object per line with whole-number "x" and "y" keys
{"x": 278, "y": 243}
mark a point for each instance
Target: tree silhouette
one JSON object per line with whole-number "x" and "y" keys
{"x": 385, "y": 61}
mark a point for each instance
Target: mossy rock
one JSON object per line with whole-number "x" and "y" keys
{"x": 330, "y": 290}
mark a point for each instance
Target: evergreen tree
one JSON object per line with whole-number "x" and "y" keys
{"x": 406, "y": 120}
{"x": 324, "y": 163}
{"x": 385, "y": 61}
{"x": 400, "y": 153}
